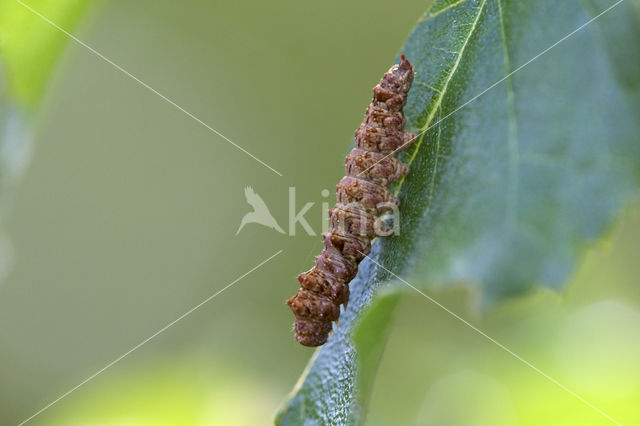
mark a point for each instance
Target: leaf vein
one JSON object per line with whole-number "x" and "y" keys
{"x": 445, "y": 86}
{"x": 512, "y": 137}
{"x": 444, "y": 9}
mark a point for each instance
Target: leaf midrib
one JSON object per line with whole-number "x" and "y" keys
{"x": 444, "y": 9}
{"x": 512, "y": 137}
{"x": 442, "y": 94}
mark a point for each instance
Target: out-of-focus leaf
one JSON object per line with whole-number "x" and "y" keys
{"x": 506, "y": 192}
{"x": 169, "y": 393}
{"x": 29, "y": 50}
{"x": 30, "y": 46}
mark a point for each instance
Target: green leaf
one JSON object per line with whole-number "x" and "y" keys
{"x": 30, "y": 47}
{"x": 507, "y": 185}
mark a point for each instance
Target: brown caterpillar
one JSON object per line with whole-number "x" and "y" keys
{"x": 362, "y": 197}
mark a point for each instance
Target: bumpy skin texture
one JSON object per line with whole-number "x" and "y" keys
{"x": 362, "y": 197}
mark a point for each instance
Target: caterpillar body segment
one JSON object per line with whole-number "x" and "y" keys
{"x": 362, "y": 196}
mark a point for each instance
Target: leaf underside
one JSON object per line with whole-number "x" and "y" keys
{"x": 507, "y": 185}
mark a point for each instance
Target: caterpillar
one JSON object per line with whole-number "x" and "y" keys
{"x": 362, "y": 197}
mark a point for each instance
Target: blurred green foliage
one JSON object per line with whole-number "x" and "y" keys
{"x": 29, "y": 49}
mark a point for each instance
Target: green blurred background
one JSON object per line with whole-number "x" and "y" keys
{"x": 126, "y": 218}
